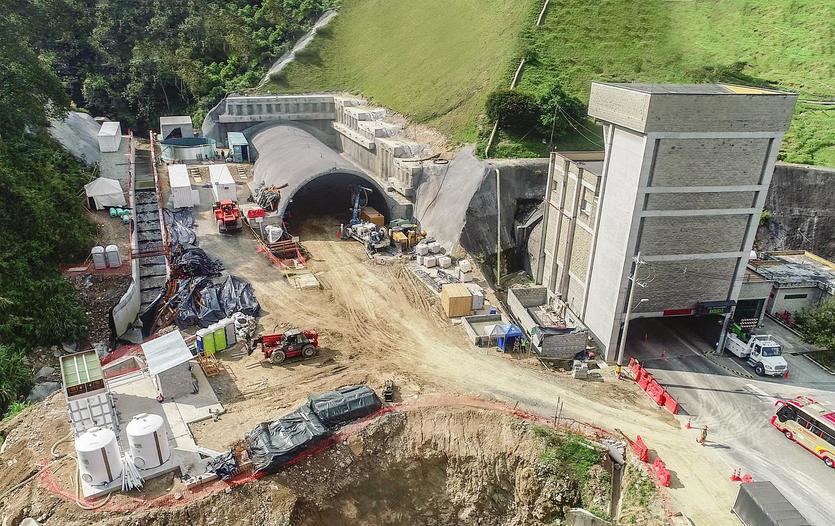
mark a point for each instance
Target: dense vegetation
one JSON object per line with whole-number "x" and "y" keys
{"x": 817, "y": 325}
{"x": 41, "y": 224}
{"x": 136, "y": 60}
{"x": 436, "y": 63}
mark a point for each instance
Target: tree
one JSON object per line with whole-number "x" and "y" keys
{"x": 817, "y": 324}
{"x": 512, "y": 109}
{"x": 557, "y": 110}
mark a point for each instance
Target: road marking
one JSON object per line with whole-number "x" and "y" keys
{"x": 759, "y": 393}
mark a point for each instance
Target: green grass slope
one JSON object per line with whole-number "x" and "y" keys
{"x": 435, "y": 61}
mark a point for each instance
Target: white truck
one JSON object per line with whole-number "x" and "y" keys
{"x": 762, "y": 351}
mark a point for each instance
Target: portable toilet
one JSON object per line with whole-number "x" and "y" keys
{"x": 219, "y": 332}
{"x": 114, "y": 260}
{"x": 229, "y": 326}
{"x": 99, "y": 257}
{"x": 206, "y": 342}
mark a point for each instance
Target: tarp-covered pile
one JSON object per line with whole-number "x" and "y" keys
{"x": 194, "y": 261}
{"x": 224, "y": 466}
{"x": 346, "y": 403}
{"x": 180, "y": 225}
{"x": 200, "y": 301}
{"x": 271, "y": 445}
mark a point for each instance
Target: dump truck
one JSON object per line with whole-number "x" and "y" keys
{"x": 762, "y": 504}
{"x": 762, "y": 352}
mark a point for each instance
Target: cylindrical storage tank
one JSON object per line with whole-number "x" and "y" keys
{"x": 148, "y": 441}
{"x": 99, "y": 258}
{"x": 99, "y": 458}
{"x": 114, "y": 260}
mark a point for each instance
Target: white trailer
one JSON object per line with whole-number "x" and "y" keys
{"x": 110, "y": 137}
{"x": 181, "y": 193}
{"x": 762, "y": 352}
{"x": 223, "y": 185}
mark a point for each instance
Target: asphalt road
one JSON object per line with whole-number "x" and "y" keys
{"x": 736, "y": 405}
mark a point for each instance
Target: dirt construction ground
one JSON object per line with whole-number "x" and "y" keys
{"x": 378, "y": 322}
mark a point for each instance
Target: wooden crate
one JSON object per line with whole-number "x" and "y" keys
{"x": 456, "y": 300}
{"x": 209, "y": 364}
{"x": 370, "y": 215}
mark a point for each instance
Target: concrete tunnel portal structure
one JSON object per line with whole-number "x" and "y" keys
{"x": 317, "y": 177}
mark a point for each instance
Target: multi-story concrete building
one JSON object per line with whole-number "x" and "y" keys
{"x": 682, "y": 182}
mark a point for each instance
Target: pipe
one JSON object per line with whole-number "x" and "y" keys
{"x": 498, "y": 228}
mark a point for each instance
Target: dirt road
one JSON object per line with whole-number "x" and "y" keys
{"x": 379, "y": 322}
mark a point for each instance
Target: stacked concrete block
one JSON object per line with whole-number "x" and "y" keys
{"x": 444, "y": 261}
{"x": 430, "y": 261}
{"x": 422, "y": 249}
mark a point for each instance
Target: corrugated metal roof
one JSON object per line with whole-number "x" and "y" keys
{"x": 236, "y": 139}
{"x": 166, "y": 352}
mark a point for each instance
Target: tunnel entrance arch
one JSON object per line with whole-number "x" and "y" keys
{"x": 323, "y": 202}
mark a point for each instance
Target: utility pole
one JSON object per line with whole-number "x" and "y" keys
{"x": 633, "y": 281}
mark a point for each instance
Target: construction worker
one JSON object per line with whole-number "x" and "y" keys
{"x": 523, "y": 344}
{"x": 619, "y": 372}
{"x": 702, "y": 436}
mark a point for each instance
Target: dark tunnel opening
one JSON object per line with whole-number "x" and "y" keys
{"x": 318, "y": 208}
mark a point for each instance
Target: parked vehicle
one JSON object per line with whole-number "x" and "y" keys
{"x": 762, "y": 352}
{"x": 290, "y": 344}
{"x": 762, "y": 504}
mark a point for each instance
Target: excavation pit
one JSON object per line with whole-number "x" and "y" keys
{"x": 452, "y": 466}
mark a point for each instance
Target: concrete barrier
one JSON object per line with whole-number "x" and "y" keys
{"x": 640, "y": 449}
{"x": 654, "y": 390}
{"x": 660, "y": 473}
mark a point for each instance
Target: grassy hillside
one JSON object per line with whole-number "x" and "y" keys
{"x": 436, "y": 61}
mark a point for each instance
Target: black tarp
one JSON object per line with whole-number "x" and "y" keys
{"x": 271, "y": 445}
{"x": 211, "y": 310}
{"x": 344, "y": 404}
{"x": 180, "y": 224}
{"x": 193, "y": 261}
{"x": 224, "y": 466}
{"x": 762, "y": 504}
{"x": 236, "y": 295}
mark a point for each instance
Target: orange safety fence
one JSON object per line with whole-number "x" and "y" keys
{"x": 654, "y": 390}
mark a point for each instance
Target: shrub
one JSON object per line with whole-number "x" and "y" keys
{"x": 512, "y": 109}
{"x": 14, "y": 375}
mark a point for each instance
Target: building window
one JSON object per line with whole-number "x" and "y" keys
{"x": 585, "y": 202}
{"x": 795, "y": 296}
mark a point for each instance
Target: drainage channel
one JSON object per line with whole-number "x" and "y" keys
{"x": 153, "y": 268}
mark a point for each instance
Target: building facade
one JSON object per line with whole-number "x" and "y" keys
{"x": 681, "y": 183}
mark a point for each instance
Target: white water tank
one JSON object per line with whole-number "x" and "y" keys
{"x": 114, "y": 260}
{"x": 148, "y": 441}
{"x": 99, "y": 258}
{"x": 99, "y": 458}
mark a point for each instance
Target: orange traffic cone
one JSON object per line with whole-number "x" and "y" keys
{"x": 689, "y": 424}
{"x": 735, "y": 476}
{"x": 786, "y": 376}
{"x": 746, "y": 478}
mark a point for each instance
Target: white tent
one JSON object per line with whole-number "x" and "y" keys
{"x": 167, "y": 358}
{"x": 166, "y": 352}
{"x": 105, "y": 192}
{"x": 110, "y": 136}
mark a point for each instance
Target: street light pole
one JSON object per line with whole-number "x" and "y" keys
{"x": 633, "y": 281}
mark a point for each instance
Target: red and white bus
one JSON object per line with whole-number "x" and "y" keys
{"x": 810, "y": 424}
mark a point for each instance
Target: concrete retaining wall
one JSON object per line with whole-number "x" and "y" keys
{"x": 801, "y": 202}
